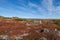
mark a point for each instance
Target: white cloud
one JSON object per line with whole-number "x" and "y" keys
{"x": 36, "y": 6}
{"x": 47, "y": 8}
{"x": 33, "y": 5}
{"x": 58, "y": 9}
{"x": 48, "y": 4}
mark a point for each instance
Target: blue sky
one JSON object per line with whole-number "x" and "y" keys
{"x": 30, "y": 8}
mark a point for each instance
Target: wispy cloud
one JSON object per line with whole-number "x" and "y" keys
{"x": 40, "y": 9}
{"x": 29, "y": 8}
{"x": 47, "y": 8}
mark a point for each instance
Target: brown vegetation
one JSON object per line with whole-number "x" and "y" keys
{"x": 36, "y": 29}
